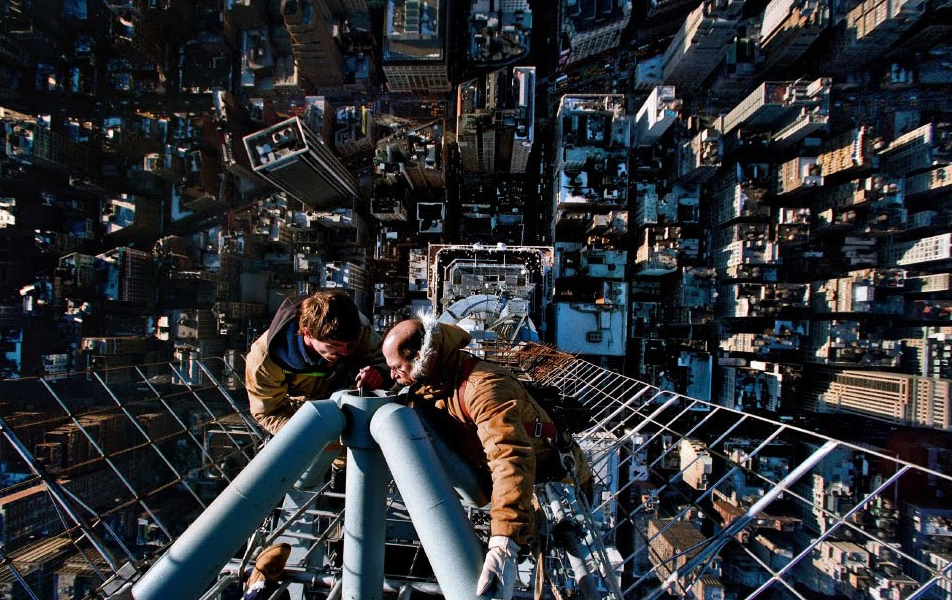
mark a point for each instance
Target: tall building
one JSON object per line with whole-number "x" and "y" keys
{"x": 593, "y": 138}
{"x": 127, "y": 273}
{"x": 666, "y": 16}
{"x": 30, "y": 143}
{"x": 136, "y": 34}
{"x": 499, "y": 31}
{"x": 673, "y": 544}
{"x": 329, "y": 40}
{"x": 922, "y": 401}
{"x": 495, "y": 123}
{"x": 590, "y": 27}
{"x": 294, "y": 159}
{"x": 869, "y": 31}
{"x": 126, "y": 216}
{"x": 112, "y": 352}
{"x": 656, "y": 115}
{"x": 790, "y": 110}
{"x": 699, "y": 47}
{"x": 926, "y": 250}
{"x": 700, "y": 157}
{"x": 789, "y": 28}
{"x": 415, "y": 46}
{"x": 310, "y": 24}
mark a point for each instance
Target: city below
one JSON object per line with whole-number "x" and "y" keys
{"x": 721, "y": 230}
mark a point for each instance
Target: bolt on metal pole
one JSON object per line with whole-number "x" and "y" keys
{"x": 448, "y": 538}
{"x": 199, "y": 554}
{"x": 366, "y": 500}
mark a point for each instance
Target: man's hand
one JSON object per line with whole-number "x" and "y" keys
{"x": 499, "y": 569}
{"x": 369, "y": 378}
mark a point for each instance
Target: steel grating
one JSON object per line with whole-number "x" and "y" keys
{"x": 102, "y": 470}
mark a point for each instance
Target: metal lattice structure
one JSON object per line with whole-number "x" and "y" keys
{"x": 103, "y": 470}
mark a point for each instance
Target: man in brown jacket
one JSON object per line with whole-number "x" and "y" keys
{"x": 482, "y": 410}
{"x": 315, "y": 345}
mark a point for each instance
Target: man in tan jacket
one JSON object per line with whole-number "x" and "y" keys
{"x": 315, "y": 345}
{"x": 482, "y": 410}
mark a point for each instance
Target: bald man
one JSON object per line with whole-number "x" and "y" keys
{"x": 490, "y": 419}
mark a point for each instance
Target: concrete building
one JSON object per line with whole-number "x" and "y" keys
{"x": 790, "y": 110}
{"x": 416, "y": 45}
{"x": 929, "y": 183}
{"x": 353, "y": 129}
{"x": 127, "y": 274}
{"x": 130, "y": 217}
{"x": 918, "y": 150}
{"x": 36, "y": 563}
{"x": 349, "y": 276}
{"x": 926, "y": 250}
{"x": 656, "y": 115}
{"x": 699, "y": 47}
{"x": 700, "y": 157}
{"x": 696, "y": 463}
{"x": 495, "y": 292}
{"x": 590, "y": 27}
{"x": 500, "y": 32}
{"x": 658, "y": 251}
{"x": 591, "y": 185}
{"x": 911, "y": 399}
{"x": 111, "y": 352}
{"x": 24, "y": 514}
{"x": 751, "y": 385}
{"x": 789, "y": 29}
{"x": 673, "y": 545}
{"x": 845, "y": 343}
{"x": 495, "y": 125}
{"x": 798, "y": 175}
{"x": 30, "y": 143}
{"x": 292, "y": 158}
{"x": 413, "y": 156}
{"x": 593, "y": 135}
{"x": 137, "y": 34}
{"x": 739, "y": 72}
{"x": 870, "y": 29}
{"x": 848, "y": 153}
{"x": 316, "y": 53}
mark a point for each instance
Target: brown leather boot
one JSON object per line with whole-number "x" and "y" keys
{"x": 270, "y": 564}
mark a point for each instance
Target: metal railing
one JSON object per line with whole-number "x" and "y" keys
{"x": 102, "y": 471}
{"x": 717, "y": 497}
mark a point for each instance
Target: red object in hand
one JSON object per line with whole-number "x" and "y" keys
{"x": 369, "y": 378}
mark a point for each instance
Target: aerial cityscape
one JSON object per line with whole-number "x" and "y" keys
{"x": 722, "y": 229}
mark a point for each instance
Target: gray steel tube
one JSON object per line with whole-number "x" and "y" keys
{"x": 366, "y": 501}
{"x": 448, "y": 538}
{"x": 364, "y": 524}
{"x": 198, "y": 555}
{"x": 472, "y": 488}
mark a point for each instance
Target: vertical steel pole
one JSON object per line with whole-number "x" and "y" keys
{"x": 198, "y": 555}
{"x": 365, "y": 507}
{"x": 448, "y": 538}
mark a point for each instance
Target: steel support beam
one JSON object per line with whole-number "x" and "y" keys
{"x": 365, "y": 507}
{"x": 199, "y": 554}
{"x": 448, "y": 538}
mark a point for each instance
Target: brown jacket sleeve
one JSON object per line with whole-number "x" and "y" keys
{"x": 492, "y": 403}
{"x": 267, "y": 389}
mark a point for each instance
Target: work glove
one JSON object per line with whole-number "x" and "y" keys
{"x": 499, "y": 569}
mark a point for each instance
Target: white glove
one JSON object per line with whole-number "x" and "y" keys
{"x": 499, "y": 569}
